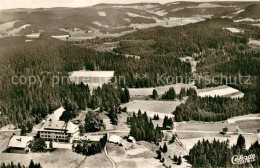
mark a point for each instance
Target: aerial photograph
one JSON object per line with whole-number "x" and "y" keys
{"x": 129, "y": 84}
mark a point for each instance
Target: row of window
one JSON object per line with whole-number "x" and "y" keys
{"x": 56, "y": 133}
{"x": 55, "y": 137}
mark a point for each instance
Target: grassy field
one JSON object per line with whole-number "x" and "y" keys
{"x": 254, "y": 42}
{"x": 191, "y": 135}
{"x": 59, "y": 158}
{"x": 249, "y": 126}
{"x": 122, "y": 125}
{"x": 139, "y": 155}
{"x": 224, "y": 91}
{"x": 106, "y": 120}
{"x": 190, "y": 142}
{"x": 209, "y": 131}
{"x": 161, "y": 108}
{"x": 4, "y": 140}
{"x": 203, "y": 126}
{"x": 248, "y": 117}
{"x": 160, "y": 90}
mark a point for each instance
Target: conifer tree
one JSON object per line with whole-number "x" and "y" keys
{"x": 155, "y": 94}
{"x": 164, "y": 149}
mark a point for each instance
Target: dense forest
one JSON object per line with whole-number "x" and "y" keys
{"x": 159, "y": 48}
{"x": 213, "y": 108}
{"x": 216, "y": 50}
{"x": 18, "y": 101}
{"x": 219, "y": 154}
{"x": 181, "y": 40}
{"x": 142, "y": 128}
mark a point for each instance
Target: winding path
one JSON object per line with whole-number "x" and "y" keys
{"x": 107, "y": 155}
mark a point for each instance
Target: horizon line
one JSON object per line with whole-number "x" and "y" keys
{"x": 122, "y": 3}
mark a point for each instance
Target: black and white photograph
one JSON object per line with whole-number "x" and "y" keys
{"x": 129, "y": 84}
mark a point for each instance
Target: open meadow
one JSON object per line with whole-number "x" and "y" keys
{"x": 248, "y": 118}
{"x": 134, "y": 155}
{"x": 162, "y": 108}
{"x": 191, "y": 132}
{"x": 224, "y": 91}
{"x": 188, "y": 142}
{"x": 4, "y": 140}
{"x": 160, "y": 89}
{"x": 203, "y": 126}
{"x": 249, "y": 126}
{"x": 59, "y": 158}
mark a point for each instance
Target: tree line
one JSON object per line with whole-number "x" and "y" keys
{"x": 142, "y": 128}
{"x": 219, "y": 154}
{"x": 213, "y": 108}
{"x": 13, "y": 165}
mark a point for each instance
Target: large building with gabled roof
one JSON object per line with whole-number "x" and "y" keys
{"x": 57, "y": 130}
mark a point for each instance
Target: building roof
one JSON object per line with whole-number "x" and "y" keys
{"x": 115, "y": 139}
{"x": 57, "y": 113}
{"x": 50, "y": 124}
{"x": 72, "y": 128}
{"x": 20, "y": 141}
{"x": 53, "y": 122}
{"x": 84, "y": 73}
{"x": 55, "y": 116}
{"x": 94, "y": 138}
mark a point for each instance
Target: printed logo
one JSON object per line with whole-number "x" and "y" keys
{"x": 241, "y": 159}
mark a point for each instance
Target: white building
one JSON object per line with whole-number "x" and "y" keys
{"x": 19, "y": 144}
{"x": 115, "y": 139}
{"x": 92, "y": 78}
{"x": 57, "y": 130}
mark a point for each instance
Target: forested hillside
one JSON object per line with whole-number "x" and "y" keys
{"x": 211, "y": 109}
{"x": 182, "y": 40}
{"x": 216, "y": 49}
{"x": 19, "y": 101}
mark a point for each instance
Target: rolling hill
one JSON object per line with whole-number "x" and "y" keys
{"x": 106, "y": 20}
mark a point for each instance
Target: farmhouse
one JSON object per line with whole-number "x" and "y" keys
{"x": 115, "y": 139}
{"x": 19, "y": 144}
{"x": 93, "y": 137}
{"x": 92, "y": 78}
{"x": 57, "y": 130}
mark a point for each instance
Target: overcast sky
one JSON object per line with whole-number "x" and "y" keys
{"x": 8, "y": 4}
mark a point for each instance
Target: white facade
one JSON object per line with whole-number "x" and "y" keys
{"x": 54, "y": 129}
{"x": 20, "y": 144}
{"x": 91, "y": 77}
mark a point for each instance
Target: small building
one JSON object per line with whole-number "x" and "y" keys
{"x": 131, "y": 139}
{"x": 93, "y": 137}
{"x": 115, "y": 139}
{"x": 20, "y": 144}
